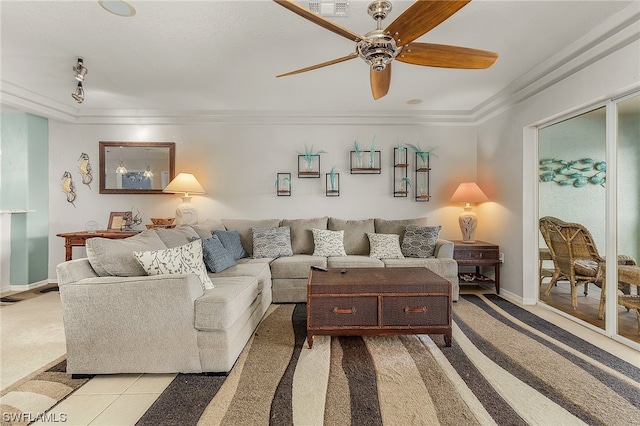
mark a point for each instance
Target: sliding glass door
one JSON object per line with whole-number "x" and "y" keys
{"x": 589, "y": 195}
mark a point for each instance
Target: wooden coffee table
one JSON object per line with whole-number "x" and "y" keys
{"x": 378, "y": 301}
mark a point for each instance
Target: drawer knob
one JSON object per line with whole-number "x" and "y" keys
{"x": 409, "y": 310}
{"x": 337, "y": 310}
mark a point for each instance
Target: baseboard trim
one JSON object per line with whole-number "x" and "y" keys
{"x": 24, "y": 287}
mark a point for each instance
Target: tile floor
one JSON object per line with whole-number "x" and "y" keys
{"x": 121, "y": 399}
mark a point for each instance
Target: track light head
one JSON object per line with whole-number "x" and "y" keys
{"x": 80, "y": 70}
{"x": 78, "y": 95}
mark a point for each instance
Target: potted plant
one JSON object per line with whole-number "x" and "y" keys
{"x": 423, "y": 155}
{"x": 404, "y": 185}
{"x": 283, "y": 184}
{"x": 309, "y": 153}
{"x": 358, "y": 151}
{"x": 372, "y": 153}
{"x": 333, "y": 181}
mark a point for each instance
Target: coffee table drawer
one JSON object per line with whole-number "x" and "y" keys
{"x": 415, "y": 310}
{"x": 343, "y": 311}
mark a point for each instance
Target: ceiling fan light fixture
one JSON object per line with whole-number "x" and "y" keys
{"x": 377, "y": 50}
{"x": 330, "y": 7}
{"x": 78, "y": 94}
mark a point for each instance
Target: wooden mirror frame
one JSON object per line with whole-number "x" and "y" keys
{"x": 171, "y": 146}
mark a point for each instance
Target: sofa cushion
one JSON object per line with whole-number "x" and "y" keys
{"x": 185, "y": 259}
{"x": 216, "y": 257}
{"x": 397, "y": 226}
{"x": 245, "y": 228}
{"x": 355, "y": 234}
{"x": 328, "y": 243}
{"x": 272, "y": 242}
{"x": 296, "y": 266}
{"x": 220, "y": 309}
{"x": 177, "y": 236}
{"x": 420, "y": 241}
{"x": 354, "y": 261}
{"x": 231, "y": 241}
{"x": 115, "y": 257}
{"x": 385, "y": 246}
{"x": 301, "y": 235}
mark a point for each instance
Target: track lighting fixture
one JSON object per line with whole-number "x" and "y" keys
{"x": 78, "y": 95}
{"x": 80, "y": 70}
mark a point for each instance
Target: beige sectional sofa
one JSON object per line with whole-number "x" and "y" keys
{"x": 119, "y": 320}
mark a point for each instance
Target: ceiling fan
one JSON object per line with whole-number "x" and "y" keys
{"x": 379, "y": 47}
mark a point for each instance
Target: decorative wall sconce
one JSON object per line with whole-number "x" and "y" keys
{"x": 80, "y": 70}
{"x": 78, "y": 95}
{"x": 283, "y": 184}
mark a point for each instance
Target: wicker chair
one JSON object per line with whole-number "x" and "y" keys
{"x": 575, "y": 256}
{"x": 626, "y": 274}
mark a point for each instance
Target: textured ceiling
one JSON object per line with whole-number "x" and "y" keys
{"x": 211, "y": 59}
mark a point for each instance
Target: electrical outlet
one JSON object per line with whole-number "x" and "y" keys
{"x": 501, "y": 257}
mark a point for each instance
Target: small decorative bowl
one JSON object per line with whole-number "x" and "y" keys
{"x": 164, "y": 221}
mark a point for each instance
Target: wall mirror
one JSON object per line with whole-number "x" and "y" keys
{"x": 136, "y": 167}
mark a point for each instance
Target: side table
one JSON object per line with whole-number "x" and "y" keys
{"x": 478, "y": 254}
{"x": 79, "y": 239}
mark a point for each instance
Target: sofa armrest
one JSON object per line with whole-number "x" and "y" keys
{"x": 444, "y": 249}
{"x": 131, "y": 324}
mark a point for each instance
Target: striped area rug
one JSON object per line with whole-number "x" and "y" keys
{"x": 506, "y": 366}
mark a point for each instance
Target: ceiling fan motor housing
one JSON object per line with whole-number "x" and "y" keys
{"x": 377, "y": 49}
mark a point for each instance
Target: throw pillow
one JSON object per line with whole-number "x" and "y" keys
{"x": 216, "y": 257}
{"x": 420, "y": 241}
{"x": 231, "y": 241}
{"x": 186, "y": 259}
{"x": 177, "y": 236}
{"x": 272, "y": 242}
{"x": 385, "y": 246}
{"x": 328, "y": 243}
{"x": 115, "y": 257}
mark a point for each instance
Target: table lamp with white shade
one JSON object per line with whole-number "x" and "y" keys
{"x": 468, "y": 192}
{"x": 186, "y": 213}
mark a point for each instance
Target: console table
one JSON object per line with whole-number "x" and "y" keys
{"x": 478, "y": 254}
{"x": 378, "y": 301}
{"x": 79, "y": 239}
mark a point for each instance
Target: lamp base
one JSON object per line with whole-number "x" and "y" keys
{"x": 186, "y": 213}
{"x": 468, "y": 221}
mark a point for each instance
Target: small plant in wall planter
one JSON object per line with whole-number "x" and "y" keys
{"x": 372, "y": 153}
{"x": 423, "y": 155}
{"x": 404, "y": 185}
{"x": 309, "y": 156}
{"x": 333, "y": 183}
{"x": 283, "y": 184}
{"x": 359, "y": 153}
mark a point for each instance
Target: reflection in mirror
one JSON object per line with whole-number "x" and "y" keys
{"x": 136, "y": 167}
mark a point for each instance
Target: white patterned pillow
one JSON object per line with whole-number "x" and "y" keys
{"x": 385, "y": 246}
{"x": 272, "y": 242}
{"x": 328, "y": 243}
{"x": 186, "y": 259}
{"x": 420, "y": 241}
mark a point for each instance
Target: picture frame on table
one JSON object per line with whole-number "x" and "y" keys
{"x": 117, "y": 220}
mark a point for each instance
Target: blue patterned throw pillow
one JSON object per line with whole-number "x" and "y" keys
{"x": 420, "y": 241}
{"x": 272, "y": 242}
{"x": 216, "y": 257}
{"x": 231, "y": 241}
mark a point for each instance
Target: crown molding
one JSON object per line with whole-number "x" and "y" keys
{"x": 612, "y": 35}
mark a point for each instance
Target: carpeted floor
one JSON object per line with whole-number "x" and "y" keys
{"x": 506, "y": 366}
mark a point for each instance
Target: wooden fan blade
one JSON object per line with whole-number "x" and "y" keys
{"x": 422, "y": 16}
{"x": 445, "y": 56}
{"x": 380, "y": 81}
{"x": 324, "y": 64}
{"x": 318, "y": 20}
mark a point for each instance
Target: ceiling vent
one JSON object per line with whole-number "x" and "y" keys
{"x": 329, "y": 7}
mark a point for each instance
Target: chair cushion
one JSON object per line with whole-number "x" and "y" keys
{"x": 272, "y": 242}
{"x": 185, "y": 259}
{"x": 328, "y": 243}
{"x": 231, "y": 241}
{"x": 301, "y": 235}
{"x": 355, "y": 234}
{"x": 420, "y": 241}
{"x": 295, "y": 266}
{"x": 115, "y": 257}
{"x": 354, "y": 261}
{"x": 385, "y": 246}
